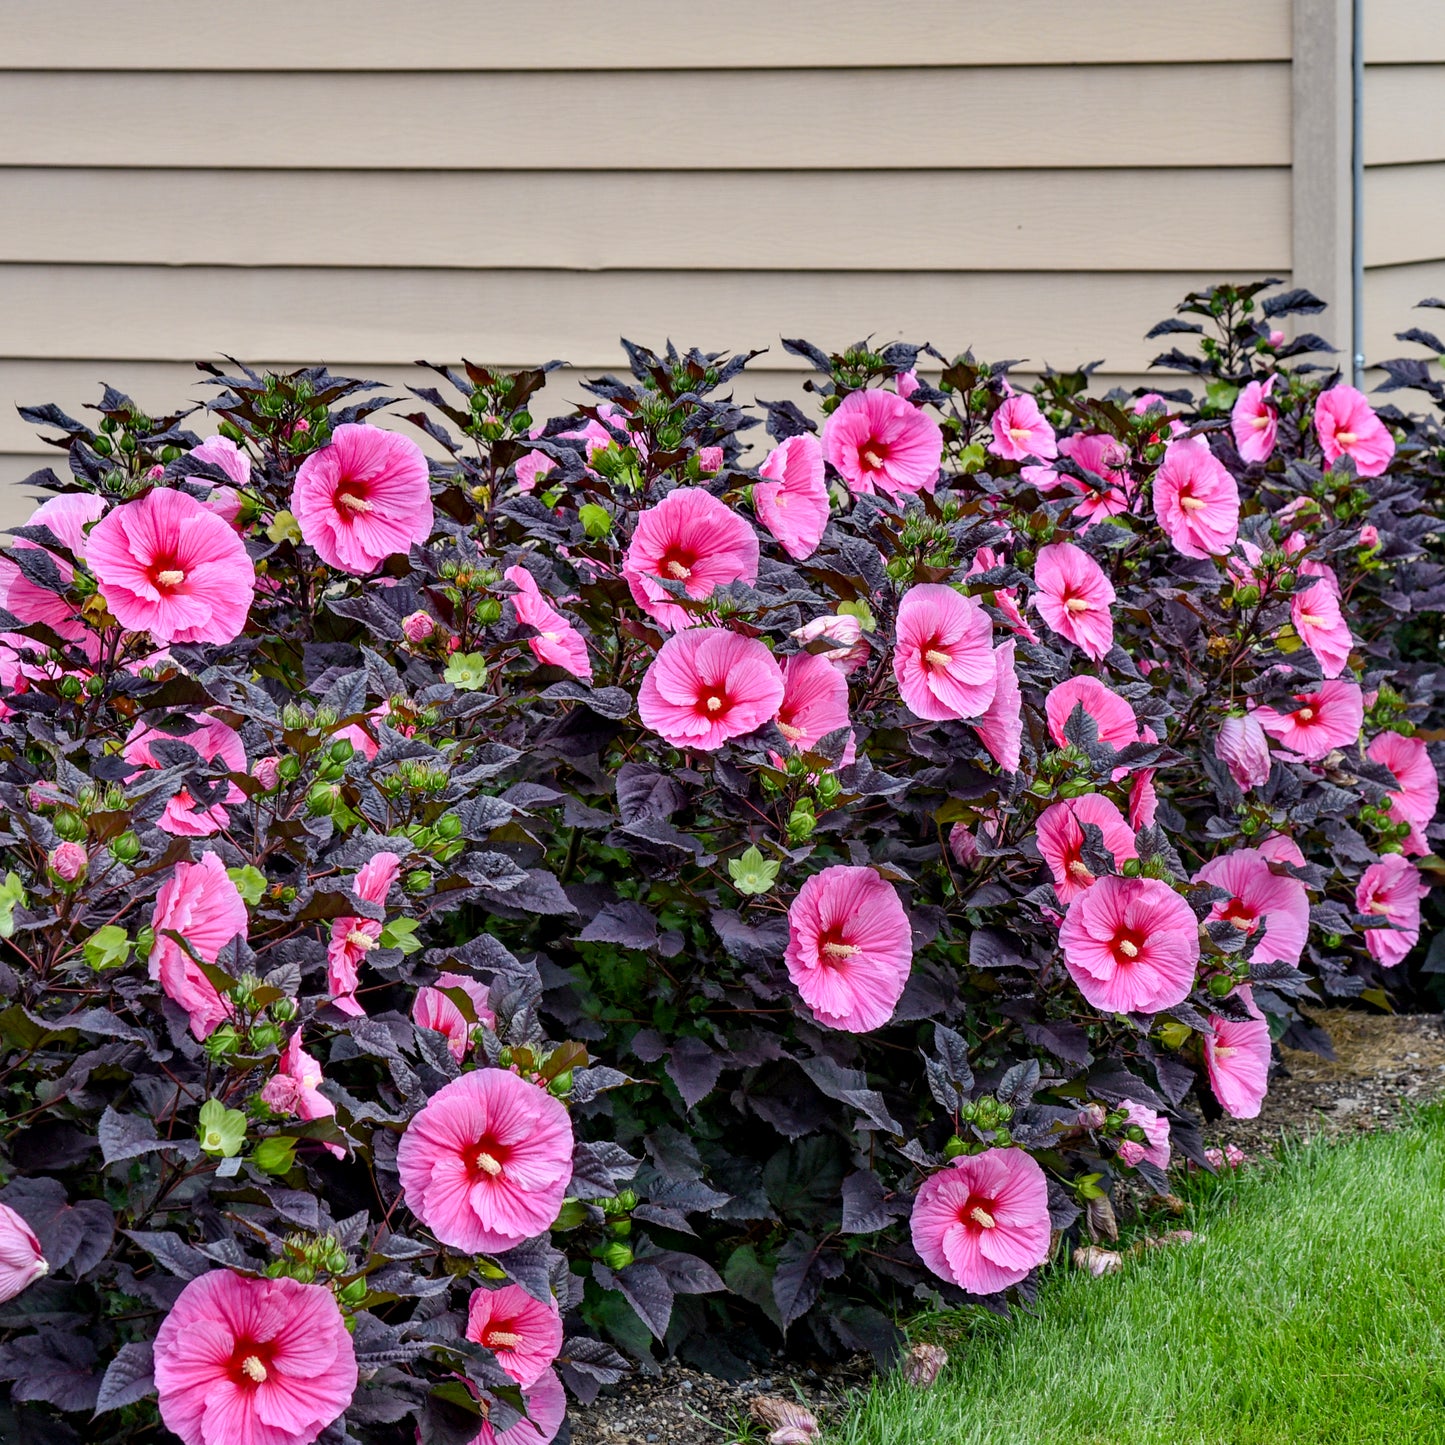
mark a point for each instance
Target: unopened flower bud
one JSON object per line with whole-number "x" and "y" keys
{"x": 418, "y": 626}
{"x": 1093, "y": 1116}
{"x": 267, "y": 772}
{"x": 68, "y": 862}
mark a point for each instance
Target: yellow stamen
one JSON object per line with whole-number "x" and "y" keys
{"x": 253, "y": 1370}
{"x": 873, "y": 459}
{"x": 1076, "y": 605}
{"x": 840, "y": 950}
{"x": 1192, "y": 504}
{"x": 677, "y": 571}
{"x": 173, "y": 577}
{"x": 1346, "y": 438}
{"x": 714, "y": 703}
{"x": 352, "y": 502}
{"x": 1306, "y": 714}
{"x": 789, "y": 731}
{"x": 358, "y": 938}
{"x": 934, "y": 658}
{"x": 1077, "y": 869}
{"x": 1129, "y": 950}
{"x": 501, "y": 1340}
{"x": 1311, "y": 619}
{"x": 487, "y": 1164}
{"x": 1260, "y": 422}
{"x": 981, "y": 1217}
{"x": 1018, "y": 433}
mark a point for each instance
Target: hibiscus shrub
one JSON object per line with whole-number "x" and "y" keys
{"x": 472, "y": 925}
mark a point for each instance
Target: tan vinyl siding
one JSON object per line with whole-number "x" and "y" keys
{"x": 523, "y": 181}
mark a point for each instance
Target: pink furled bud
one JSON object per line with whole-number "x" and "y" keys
{"x": 1097, "y": 1261}
{"x": 1092, "y": 1116}
{"x": 1369, "y": 536}
{"x": 922, "y": 1364}
{"x": 1276, "y": 339}
{"x": 418, "y": 626}
{"x": 21, "y": 1262}
{"x": 787, "y": 1422}
{"x": 963, "y": 845}
{"x": 68, "y": 861}
{"x": 154, "y": 474}
{"x": 849, "y": 652}
{"x": 710, "y": 459}
{"x": 906, "y": 383}
{"x": 267, "y": 772}
{"x": 42, "y": 795}
{"x": 1242, "y": 746}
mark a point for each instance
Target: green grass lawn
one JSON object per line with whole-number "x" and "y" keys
{"x": 1309, "y": 1310}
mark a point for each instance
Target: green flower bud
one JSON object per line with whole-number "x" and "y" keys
{"x": 353, "y": 1293}
{"x": 71, "y": 688}
{"x": 70, "y": 825}
{"x": 1220, "y": 985}
{"x": 616, "y": 1255}
{"x": 561, "y": 1086}
{"x": 289, "y": 767}
{"x": 417, "y": 881}
{"x": 449, "y": 826}
{"x": 321, "y": 800}
{"x": 1131, "y": 868}
{"x": 125, "y": 848}
{"x": 264, "y": 1036}
{"x": 341, "y": 750}
{"x": 489, "y": 610}
{"x": 285, "y": 1009}
{"x": 954, "y": 1148}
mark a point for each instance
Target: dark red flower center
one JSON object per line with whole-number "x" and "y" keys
{"x": 251, "y": 1361}
{"x": 487, "y": 1158}
{"x": 350, "y": 500}
{"x": 1127, "y": 945}
{"x": 165, "y": 573}
{"x": 501, "y": 1335}
{"x": 834, "y": 948}
{"x": 676, "y": 564}
{"x": 1241, "y": 915}
{"x": 873, "y": 455}
{"x": 977, "y": 1213}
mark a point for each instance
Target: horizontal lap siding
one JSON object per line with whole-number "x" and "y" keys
{"x": 1034, "y": 179}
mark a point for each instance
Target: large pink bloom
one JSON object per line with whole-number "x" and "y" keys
{"x": 1243, "y": 748}
{"x": 1131, "y": 945}
{"x": 486, "y": 1163}
{"x": 1328, "y": 718}
{"x": 1347, "y": 426}
{"x": 943, "y": 658}
{"x": 850, "y": 948}
{"x": 523, "y": 1333}
{"x": 1113, "y": 717}
{"x": 1004, "y": 598}
{"x": 223, "y": 453}
{"x": 558, "y": 642}
{"x": 692, "y": 538}
{"x": 199, "y": 903}
{"x": 21, "y": 1259}
{"x": 1061, "y": 840}
{"x": 295, "y": 1088}
{"x": 1155, "y": 1148}
{"x": 983, "y": 1223}
{"x": 1074, "y": 597}
{"x": 1196, "y": 500}
{"x": 546, "y": 1404}
{"x": 793, "y": 503}
{"x": 1237, "y": 1060}
{"x": 1419, "y": 792}
{"x": 707, "y": 685}
{"x": 1391, "y": 889}
{"x": 363, "y": 498}
{"x": 881, "y": 443}
{"x": 169, "y": 566}
{"x": 253, "y": 1361}
{"x": 815, "y": 701}
{"x": 212, "y": 739}
{"x": 1255, "y": 423}
{"x": 66, "y": 517}
{"x": 1001, "y": 728}
{"x": 1260, "y": 897}
{"x": 1020, "y": 430}
{"x": 1317, "y": 617}
{"x": 352, "y": 938}
{"x": 433, "y": 1009}
{"x": 1107, "y": 459}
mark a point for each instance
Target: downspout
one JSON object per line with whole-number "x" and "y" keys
{"x": 1357, "y": 187}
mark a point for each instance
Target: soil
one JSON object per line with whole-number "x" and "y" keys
{"x": 1383, "y": 1065}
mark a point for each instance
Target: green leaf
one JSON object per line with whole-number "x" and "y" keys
{"x": 275, "y": 1155}
{"x": 752, "y": 873}
{"x": 400, "y": 933}
{"x": 107, "y": 947}
{"x": 222, "y": 1131}
{"x": 12, "y": 893}
{"x": 250, "y": 883}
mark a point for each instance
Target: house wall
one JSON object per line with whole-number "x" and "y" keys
{"x": 529, "y": 179}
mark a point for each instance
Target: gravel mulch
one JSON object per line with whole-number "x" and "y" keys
{"x": 1383, "y": 1064}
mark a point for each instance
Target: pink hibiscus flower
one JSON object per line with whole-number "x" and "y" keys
{"x": 1260, "y": 897}
{"x": 1021, "y": 430}
{"x": 1347, "y": 426}
{"x": 1074, "y": 597}
{"x": 21, "y": 1259}
{"x": 848, "y": 651}
{"x": 1152, "y": 401}
{"x": 1001, "y": 727}
{"x": 223, "y": 453}
{"x": 546, "y": 1405}
{"x": 1113, "y": 717}
{"x": 1328, "y": 718}
{"x": 1317, "y": 618}
{"x": 66, "y": 518}
{"x": 558, "y": 643}
{"x": 352, "y": 938}
{"x": 793, "y": 503}
{"x": 707, "y": 685}
{"x": 1107, "y": 459}
{"x": 1254, "y": 422}
{"x": 1237, "y": 1060}
{"x": 1241, "y": 745}
{"x": 1061, "y": 840}
{"x": 1004, "y": 598}
{"x": 1155, "y": 1147}
{"x": 1131, "y": 945}
{"x": 983, "y": 1222}
{"x": 850, "y": 948}
{"x": 1196, "y": 500}
{"x": 295, "y": 1088}
{"x": 363, "y": 498}
{"x": 692, "y": 538}
{"x": 169, "y": 566}
{"x": 815, "y": 702}
{"x": 523, "y": 1333}
{"x": 1418, "y": 796}
{"x": 199, "y": 903}
{"x": 1143, "y": 796}
{"x": 212, "y": 740}
{"x": 260, "y": 1361}
{"x": 487, "y": 1161}
{"x": 433, "y": 1009}
{"x": 1391, "y": 889}
{"x": 943, "y": 658}
{"x": 881, "y": 443}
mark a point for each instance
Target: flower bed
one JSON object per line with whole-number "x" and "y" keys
{"x": 473, "y": 924}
